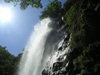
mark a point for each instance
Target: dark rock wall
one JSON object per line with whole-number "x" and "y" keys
{"x": 82, "y": 18}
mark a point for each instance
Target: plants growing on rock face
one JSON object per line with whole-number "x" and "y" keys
{"x": 86, "y": 61}
{"x": 81, "y": 18}
{"x": 70, "y": 15}
{"x": 78, "y": 39}
{"x": 64, "y": 63}
{"x": 85, "y": 40}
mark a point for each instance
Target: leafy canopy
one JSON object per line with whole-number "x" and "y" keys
{"x": 52, "y": 10}
{"x": 25, "y": 3}
{"x": 8, "y": 62}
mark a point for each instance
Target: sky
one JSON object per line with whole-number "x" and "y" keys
{"x": 15, "y": 34}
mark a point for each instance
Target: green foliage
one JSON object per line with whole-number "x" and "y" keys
{"x": 52, "y": 10}
{"x": 64, "y": 63}
{"x": 68, "y": 4}
{"x": 82, "y": 18}
{"x": 78, "y": 39}
{"x": 8, "y": 62}
{"x": 25, "y": 3}
{"x": 80, "y": 59}
{"x": 70, "y": 16}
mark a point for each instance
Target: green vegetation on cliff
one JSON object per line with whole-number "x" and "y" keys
{"x": 82, "y": 18}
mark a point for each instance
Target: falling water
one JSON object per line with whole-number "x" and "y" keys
{"x": 42, "y": 43}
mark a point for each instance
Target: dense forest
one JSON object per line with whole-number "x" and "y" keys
{"x": 83, "y": 26}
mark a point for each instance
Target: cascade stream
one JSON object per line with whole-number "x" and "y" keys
{"x": 43, "y": 42}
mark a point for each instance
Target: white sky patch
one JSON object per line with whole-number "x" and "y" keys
{"x": 5, "y": 14}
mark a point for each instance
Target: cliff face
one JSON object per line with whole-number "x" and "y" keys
{"x": 78, "y": 53}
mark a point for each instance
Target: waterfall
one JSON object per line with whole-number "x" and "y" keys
{"x": 43, "y": 41}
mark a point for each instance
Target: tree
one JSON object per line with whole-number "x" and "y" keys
{"x": 53, "y": 10}
{"x": 8, "y": 62}
{"x": 25, "y": 3}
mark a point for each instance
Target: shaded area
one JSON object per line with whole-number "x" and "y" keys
{"x": 82, "y": 19}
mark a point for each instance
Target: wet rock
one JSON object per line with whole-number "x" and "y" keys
{"x": 57, "y": 66}
{"x": 61, "y": 58}
{"x": 60, "y": 49}
{"x": 45, "y": 72}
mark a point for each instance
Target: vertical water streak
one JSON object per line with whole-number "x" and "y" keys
{"x": 39, "y": 47}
